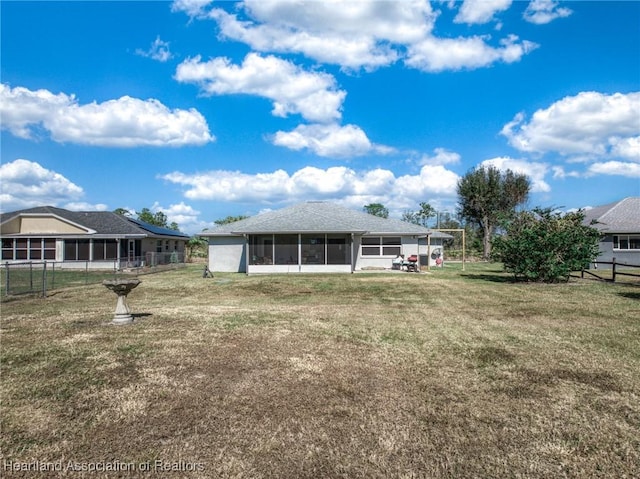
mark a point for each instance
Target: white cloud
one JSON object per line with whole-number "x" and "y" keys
{"x": 25, "y": 184}
{"x": 560, "y": 173}
{"x": 329, "y": 140}
{"x": 628, "y": 148}
{"x": 439, "y": 54}
{"x": 590, "y": 124}
{"x": 432, "y": 180}
{"x": 335, "y": 183}
{"x": 84, "y": 206}
{"x": 125, "y": 122}
{"x": 367, "y": 34}
{"x": 618, "y": 168}
{"x": 535, "y": 171}
{"x": 158, "y": 51}
{"x": 351, "y": 34}
{"x": 544, "y": 11}
{"x": 313, "y": 95}
{"x": 441, "y": 157}
{"x": 480, "y": 11}
{"x": 185, "y": 216}
{"x": 193, "y": 8}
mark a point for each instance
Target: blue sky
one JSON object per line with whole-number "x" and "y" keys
{"x": 207, "y": 109}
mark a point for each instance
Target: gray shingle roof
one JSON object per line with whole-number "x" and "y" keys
{"x": 620, "y": 217}
{"x": 318, "y": 217}
{"x": 102, "y": 222}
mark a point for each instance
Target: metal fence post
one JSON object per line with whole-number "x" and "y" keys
{"x": 6, "y": 282}
{"x": 613, "y": 270}
{"x": 44, "y": 280}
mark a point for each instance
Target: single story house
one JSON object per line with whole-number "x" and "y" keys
{"x": 318, "y": 236}
{"x": 94, "y": 239}
{"x": 620, "y": 225}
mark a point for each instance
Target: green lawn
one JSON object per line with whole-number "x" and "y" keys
{"x": 444, "y": 374}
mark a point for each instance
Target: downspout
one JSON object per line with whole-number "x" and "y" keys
{"x": 299, "y": 252}
{"x": 353, "y": 258}
{"x": 246, "y": 254}
{"x": 118, "y": 255}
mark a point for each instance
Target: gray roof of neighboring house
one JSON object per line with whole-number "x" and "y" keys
{"x": 620, "y": 217}
{"x": 320, "y": 217}
{"x": 102, "y": 222}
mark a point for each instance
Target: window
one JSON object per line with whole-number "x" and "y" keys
{"x": 21, "y": 248}
{"x": 381, "y": 246}
{"x": 626, "y": 242}
{"x": 7, "y": 248}
{"x": 35, "y": 248}
{"x": 49, "y": 248}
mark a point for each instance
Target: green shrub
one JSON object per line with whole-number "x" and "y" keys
{"x": 546, "y": 246}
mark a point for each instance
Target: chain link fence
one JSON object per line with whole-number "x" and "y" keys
{"x": 40, "y": 277}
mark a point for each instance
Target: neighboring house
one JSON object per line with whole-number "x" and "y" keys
{"x": 318, "y": 236}
{"x": 101, "y": 238}
{"x": 620, "y": 225}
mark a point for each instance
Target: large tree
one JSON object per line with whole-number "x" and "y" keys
{"x": 420, "y": 217}
{"x": 158, "y": 218}
{"x": 376, "y": 209}
{"x": 487, "y": 195}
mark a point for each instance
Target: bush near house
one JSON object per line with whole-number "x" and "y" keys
{"x": 546, "y": 246}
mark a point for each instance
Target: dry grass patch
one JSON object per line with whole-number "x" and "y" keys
{"x": 443, "y": 375}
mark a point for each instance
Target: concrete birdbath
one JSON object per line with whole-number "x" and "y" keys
{"x": 122, "y": 287}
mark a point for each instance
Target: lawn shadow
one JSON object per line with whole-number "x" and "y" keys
{"x": 494, "y": 278}
{"x": 631, "y": 295}
{"x": 140, "y": 315}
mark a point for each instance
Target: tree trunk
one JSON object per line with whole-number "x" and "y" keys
{"x": 486, "y": 239}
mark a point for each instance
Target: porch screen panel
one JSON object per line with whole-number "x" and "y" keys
{"x": 261, "y": 249}
{"x": 111, "y": 249}
{"x": 286, "y": 249}
{"x": 83, "y": 250}
{"x": 104, "y": 249}
{"x": 76, "y": 250}
{"x": 70, "y": 247}
{"x": 313, "y": 249}
{"x": 338, "y": 249}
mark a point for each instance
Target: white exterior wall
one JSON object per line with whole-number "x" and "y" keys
{"x": 409, "y": 247}
{"x": 227, "y": 254}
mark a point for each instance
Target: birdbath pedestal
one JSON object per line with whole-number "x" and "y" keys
{"x": 122, "y": 287}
